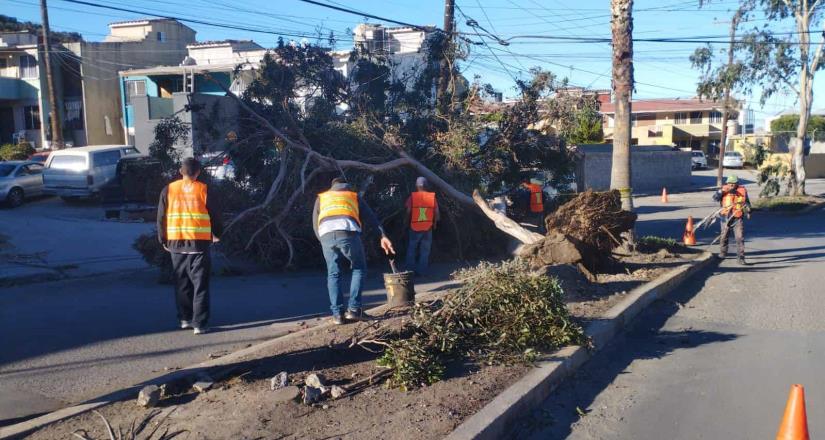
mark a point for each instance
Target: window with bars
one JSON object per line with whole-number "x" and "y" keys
{"x": 715, "y": 117}
{"x": 134, "y": 88}
{"x": 28, "y": 67}
{"x": 695, "y": 117}
{"x": 681, "y": 118}
{"x": 31, "y": 114}
{"x": 73, "y": 114}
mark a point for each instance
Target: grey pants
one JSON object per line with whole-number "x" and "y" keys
{"x": 738, "y": 226}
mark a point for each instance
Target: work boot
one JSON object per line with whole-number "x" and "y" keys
{"x": 357, "y": 315}
{"x": 185, "y": 325}
{"x": 337, "y": 320}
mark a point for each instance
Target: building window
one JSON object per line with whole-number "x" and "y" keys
{"x": 681, "y": 118}
{"x": 73, "y": 114}
{"x": 161, "y": 36}
{"x": 28, "y": 67}
{"x": 134, "y": 88}
{"x": 715, "y": 117}
{"x": 695, "y": 117}
{"x": 633, "y": 120}
{"x": 238, "y": 85}
{"x": 31, "y": 113}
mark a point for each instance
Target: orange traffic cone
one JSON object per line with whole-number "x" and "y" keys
{"x": 689, "y": 238}
{"x": 794, "y": 424}
{"x": 664, "y": 195}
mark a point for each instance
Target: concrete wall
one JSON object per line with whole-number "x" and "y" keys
{"x": 815, "y": 166}
{"x": 651, "y": 170}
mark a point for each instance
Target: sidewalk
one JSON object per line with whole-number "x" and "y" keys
{"x": 124, "y": 329}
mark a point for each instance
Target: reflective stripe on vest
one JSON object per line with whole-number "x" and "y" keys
{"x": 338, "y": 203}
{"x": 734, "y": 201}
{"x": 536, "y": 202}
{"x": 186, "y": 215}
{"x": 422, "y": 211}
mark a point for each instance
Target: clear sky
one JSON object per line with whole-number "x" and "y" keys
{"x": 662, "y": 69}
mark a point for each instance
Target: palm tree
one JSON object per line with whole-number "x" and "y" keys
{"x": 622, "y": 27}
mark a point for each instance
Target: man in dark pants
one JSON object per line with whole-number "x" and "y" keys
{"x": 736, "y": 205}
{"x": 423, "y": 214}
{"x": 336, "y": 219}
{"x": 187, "y": 226}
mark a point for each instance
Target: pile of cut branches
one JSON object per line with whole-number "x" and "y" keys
{"x": 503, "y": 313}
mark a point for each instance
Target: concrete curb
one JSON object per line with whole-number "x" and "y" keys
{"x": 492, "y": 421}
{"x": 189, "y": 374}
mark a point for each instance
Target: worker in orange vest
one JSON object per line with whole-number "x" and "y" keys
{"x": 187, "y": 226}
{"x": 423, "y": 213}
{"x": 337, "y": 221}
{"x": 535, "y": 206}
{"x": 736, "y": 206}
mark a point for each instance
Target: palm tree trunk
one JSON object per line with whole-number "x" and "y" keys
{"x": 622, "y": 28}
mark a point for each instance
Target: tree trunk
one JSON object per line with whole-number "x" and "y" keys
{"x": 797, "y": 180}
{"x": 723, "y": 139}
{"x": 622, "y": 28}
{"x": 54, "y": 110}
{"x": 444, "y": 68}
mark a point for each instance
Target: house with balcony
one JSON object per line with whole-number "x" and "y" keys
{"x": 688, "y": 124}
{"x": 85, "y": 77}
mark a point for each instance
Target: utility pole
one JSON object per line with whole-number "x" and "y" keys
{"x": 54, "y": 112}
{"x": 446, "y": 55}
{"x": 723, "y": 140}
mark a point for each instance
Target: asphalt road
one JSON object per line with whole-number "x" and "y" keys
{"x": 717, "y": 358}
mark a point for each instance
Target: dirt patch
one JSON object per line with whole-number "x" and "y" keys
{"x": 243, "y": 406}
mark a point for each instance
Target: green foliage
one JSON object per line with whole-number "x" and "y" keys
{"x": 21, "y": 151}
{"x": 754, "y": 154}
{"x": 785, "y": 126}
{"x": 11, "y": 24}
{"x": 654, "y": 242}
{"x": 772, "y": 173}
{"x": 502, "y": 313}
{"x": 168, "y": 133}
{"x": 587, "y": 126}
{"x": 785, "y": 203}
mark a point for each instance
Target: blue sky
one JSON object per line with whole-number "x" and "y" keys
{"x": 662, "y": 69}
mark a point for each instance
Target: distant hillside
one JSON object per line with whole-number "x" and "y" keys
{"x": 8, "y": 24}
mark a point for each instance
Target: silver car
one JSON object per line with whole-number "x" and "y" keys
{"x": 20, "y": 179}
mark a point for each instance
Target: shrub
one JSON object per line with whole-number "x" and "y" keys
{"x": 503, "y": 313}
{"x": 21, "y": 151}
{"x": 153, "y": 253}
{"x": 774, "y": 170}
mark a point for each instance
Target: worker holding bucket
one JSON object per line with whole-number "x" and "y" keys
{"x": 423, "y": 213}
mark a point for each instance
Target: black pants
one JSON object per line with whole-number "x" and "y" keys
{"x": 738, "y": 226}
{"x": 192, "y": 287}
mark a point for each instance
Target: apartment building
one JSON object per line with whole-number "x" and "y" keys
{"x": 86, "y": 80}
{"x": 684, "y": 123}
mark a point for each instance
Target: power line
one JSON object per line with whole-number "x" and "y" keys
{"x": 364, "y": 14}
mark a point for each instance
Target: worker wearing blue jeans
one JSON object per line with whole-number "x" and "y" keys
{"x": 336, "y": 219}
{"x": 423, "y": 213}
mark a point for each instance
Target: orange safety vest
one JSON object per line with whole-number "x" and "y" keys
{"x": 186, "y": 215}
{"x": 422, "y": 211}
{"x": 734, "y": 201}
{"x": 536, "y": 202}
{"x": 339, "y": 203}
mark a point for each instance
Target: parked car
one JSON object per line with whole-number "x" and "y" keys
{"x": 40, "y": 157}
{"x": 20, "y": 179}
{"x": 81, "y": 172}
{"x": 698, "y": 160}
{"x": 733, "y": 159}
{"x": 219, "y": 165}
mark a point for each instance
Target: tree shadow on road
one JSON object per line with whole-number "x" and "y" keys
{"x": 644, "y": 339}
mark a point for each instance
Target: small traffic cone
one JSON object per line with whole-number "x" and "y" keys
{"x": 794, "y": 424}
{"x": 664, "y": 195}
{"x": 689, "y": 238}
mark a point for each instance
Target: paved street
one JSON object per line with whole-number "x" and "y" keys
{"x": 715, "y": 360}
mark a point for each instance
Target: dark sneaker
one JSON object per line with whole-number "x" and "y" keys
{"x": 337, "y": 320}
{"x": 185, "y": 324}
{"x": 356, "y": 315}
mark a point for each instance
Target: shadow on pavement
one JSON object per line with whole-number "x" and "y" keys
{"x": 644, "y": 339}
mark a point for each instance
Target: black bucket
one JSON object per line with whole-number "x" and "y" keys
{"x": 400, "y": 288}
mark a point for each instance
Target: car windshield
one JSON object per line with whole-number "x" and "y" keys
{"x": 732, "y": 154}
{"x": 68, "y": 162}
{"x": 6, "y": 169}
{"x": 697, "y": 154}
{"x": 39, "y": 158}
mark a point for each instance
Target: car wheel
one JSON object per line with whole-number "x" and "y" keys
{"x": 15, "y": 197}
